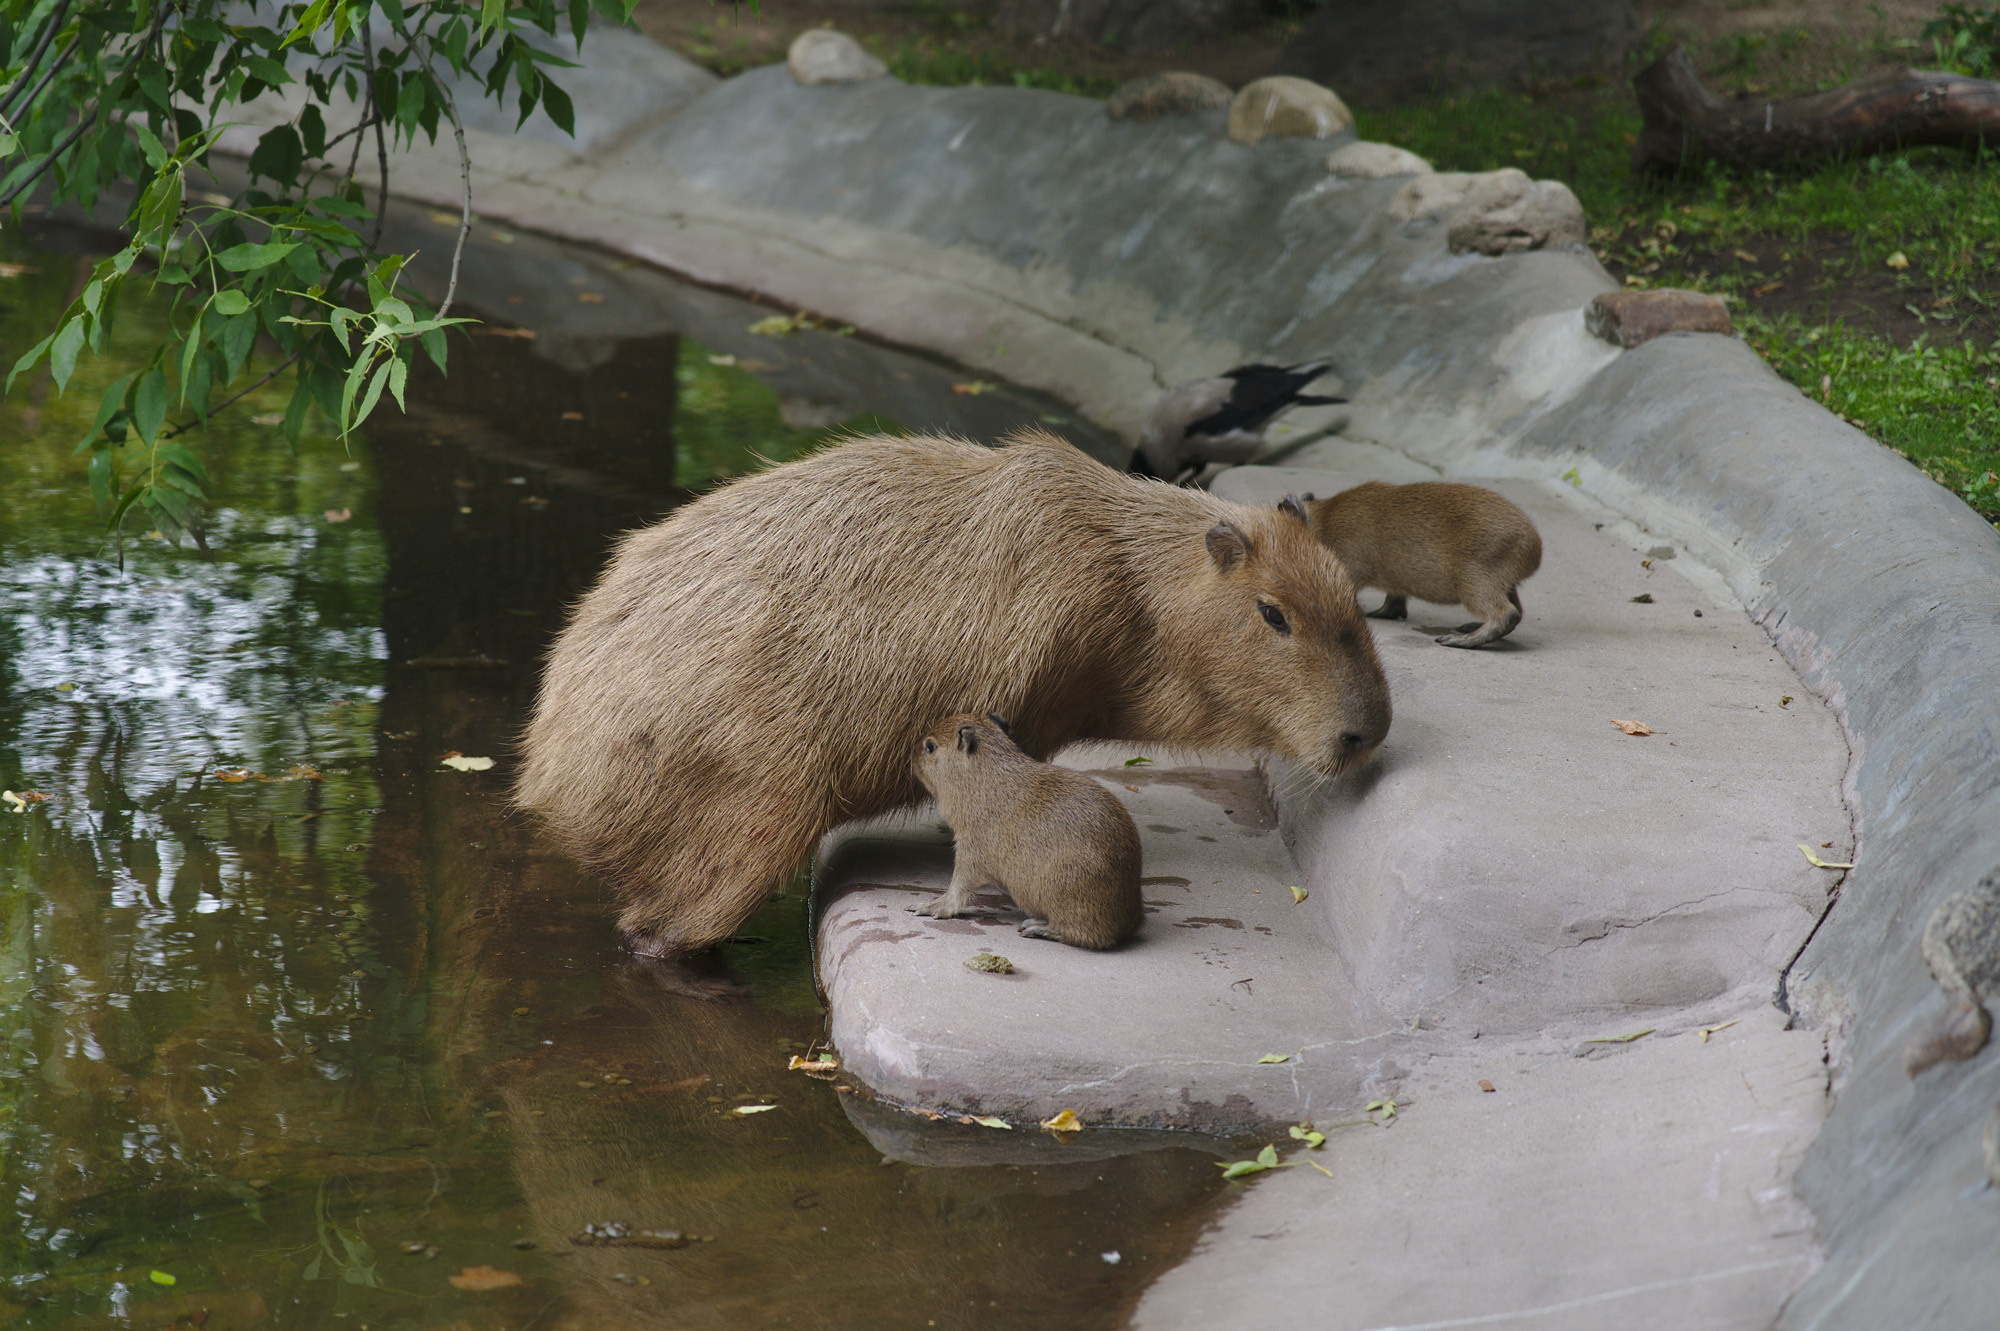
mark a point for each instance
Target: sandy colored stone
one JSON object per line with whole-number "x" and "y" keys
{"x": 1497, "y": 218}
{"x": 1629, "y": 318}
{"x": 1171, "y": 92}
{"x": 1285, "y": 107}
{"x": 1430, "y": 197}
{"x": 821, "y": 55}
{"x": 1362, "y": 160}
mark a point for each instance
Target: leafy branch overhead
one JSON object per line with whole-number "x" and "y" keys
{"x": 100, "y": 94}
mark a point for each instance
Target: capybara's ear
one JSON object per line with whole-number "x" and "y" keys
{"x": 1001, "y": 722}
{"x": 1227, "y": 546}
{"x": 968, "y": 739}
{"x": 930, "y": 746}
{"x": 1307, "y": 496}
{"x": 1291, "y": 507}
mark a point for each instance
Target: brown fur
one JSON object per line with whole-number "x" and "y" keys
{"x": 1439, "y": 542}
{"x": 1060, "y": 844}
{"x": 759, "y": 666}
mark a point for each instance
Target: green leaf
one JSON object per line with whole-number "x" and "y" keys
{"x": 1268, "y": 1157}
{"x": 107, "y": 407}
{"x": 235, "y": 341}
{"x": 184, "y": 457}
{"x": 1275, "y": 1058}
{"x": 278, "y": 155}
{"x": 432, "y": 341}
{"x": 491, "y": 14}
{"x": 62, "y": 355}
{"x": 230, "y": 301}
{"x": 374, "y": 393}
{"x": 103, "y": 475}
{"x": 312, "y": 1268}
{"x": 149, "y": 143}
{"x": 296, "y": 409}
{"x": 28, "y": 359}
{"x": 161, "y": 1278}
{"x": 1136, "y": 762}
{"x": 399, "y": 371}
{"x": 988, "y": 1121}
{"x": 557, "y": 104}
{"x": 249, "y": 258}
{"x": 149, "y": 404}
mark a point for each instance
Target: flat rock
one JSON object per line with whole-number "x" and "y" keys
{"x": 1362, "y": 160}
{"x": 1629, "y": 318}
{"x": 1646, "y": 1190}
{"x": 821, "y": 55}
{"x": 1168, "y": 93}
{"x": 1501, "y": 214}
{"x": 1283, "y": 107}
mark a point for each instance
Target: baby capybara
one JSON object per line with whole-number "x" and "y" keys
{"x": 1439, "y": 542}
{"x": 1057, "y": 842}
{"x": 759, "y": 665}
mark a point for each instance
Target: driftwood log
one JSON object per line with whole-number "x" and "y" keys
{"x": 1685, "y": 122}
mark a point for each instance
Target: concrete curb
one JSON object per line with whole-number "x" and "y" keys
{"x": 1028, "y": 235}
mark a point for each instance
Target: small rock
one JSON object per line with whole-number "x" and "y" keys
{"x": 1504, "y": 212}
{"x": 1629, "y": 318}
{"x": 1173, "y": 92}
{"x": 1372, "y": 161}
{"x": 1285, "y": 107}
{"x": 987, "y": 961}
{"x": 821, "y": 55}
{"x": 1430, "y": 197}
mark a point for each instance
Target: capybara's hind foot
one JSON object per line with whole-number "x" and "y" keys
{"x": 1478, "y": 635}
{"x": 1393, "y": 607}
{"x": 1035, "y": 927}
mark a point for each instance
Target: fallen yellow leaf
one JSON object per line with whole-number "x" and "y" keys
{"x": 1819, "y": 863}
{"x": 458, "y": 762}
{"x": 1633, "y": 727}
{"x": 1066, "y": 1121}
{"x": 824, "y": 1063}
{"x": 1275, "y": 1058}
{"x": 1899, "y": 261}
{"x": 1706, "y": 1031}
{"x": 752, "y": 1109}
{"x": 1299, "y": 894}
{"x": 972, "y": 389}
{"x": 988, "y": 1121}
{"x": 479, "y": 1279}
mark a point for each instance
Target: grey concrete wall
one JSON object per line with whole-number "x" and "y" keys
{"x": 1026, "y": 234}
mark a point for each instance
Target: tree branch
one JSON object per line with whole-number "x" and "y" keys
{"x": 232, "y": 399}
{"x": 55, "y": 68}
{"x": 35, "y": 59}
{"x": 465, "y": 199}
{"x": 381, "y": 147}
{"x": 61, "y": 147}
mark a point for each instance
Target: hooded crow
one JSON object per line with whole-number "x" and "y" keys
{"x": 1222, "y": 419}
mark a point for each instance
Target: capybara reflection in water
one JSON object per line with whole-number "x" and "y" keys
{"x": 759, "y": 665}
{"x": 1057, "y": 842}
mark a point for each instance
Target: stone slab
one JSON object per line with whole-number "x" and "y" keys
{"x": 1645, "y": 1189}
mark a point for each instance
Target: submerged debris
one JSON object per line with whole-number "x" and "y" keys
{"x": 615, "y": 1235}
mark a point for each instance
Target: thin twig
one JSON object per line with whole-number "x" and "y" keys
{"x": 465, "y": 198}
{"x": 41, "y": 49}
{"x": 381, "y": 147}
{"x": 232, "y": 399}
{"x": 48, "y": 161}
{"x": 55, "y": 68}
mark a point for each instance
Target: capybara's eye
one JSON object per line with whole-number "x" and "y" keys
{"x": 1274, "y": 617}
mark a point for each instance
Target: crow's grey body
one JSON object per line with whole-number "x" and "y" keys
{"x": 1221, "y": 419}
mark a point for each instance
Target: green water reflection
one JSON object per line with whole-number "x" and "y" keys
{"x": 296, "y": 1016}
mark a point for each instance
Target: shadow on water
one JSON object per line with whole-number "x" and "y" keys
{"x": 309, "y": 1023}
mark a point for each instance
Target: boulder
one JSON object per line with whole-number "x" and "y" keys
{"x": 1498, "y": 218}
{"x": 821, "y": 55}
{"x": 1372, "y": 161}
{"x": 1629, "y": 318}
{"x": 1169, "y": 93}
{"x": 1395, "y": 50}
{"x": 1282, "y": 107}
{"x": 1493, "y": 212}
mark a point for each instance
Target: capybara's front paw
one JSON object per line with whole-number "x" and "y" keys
{"x": 1039, "y": 928}
{"x": 941, "y": 908}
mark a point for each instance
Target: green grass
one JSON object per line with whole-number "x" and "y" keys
{"x": 1914, "y": 235}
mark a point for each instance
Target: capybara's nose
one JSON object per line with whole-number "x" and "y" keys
{"x": 1353, "y": 743}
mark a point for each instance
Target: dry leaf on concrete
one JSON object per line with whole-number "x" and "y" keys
{"x": 479, "y": 1279}
{"x": 1634, "y": 727}
{"x": 1819, "y": 863}
{"x": 1066, "y": 1121}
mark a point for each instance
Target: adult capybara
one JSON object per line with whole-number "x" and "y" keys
{"x": 1437, "y": 541}
{"x": 759, "y": 666}
{"x": 1057, "y": 842}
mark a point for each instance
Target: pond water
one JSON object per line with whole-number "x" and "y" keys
{"x": 309, "y": 1024}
